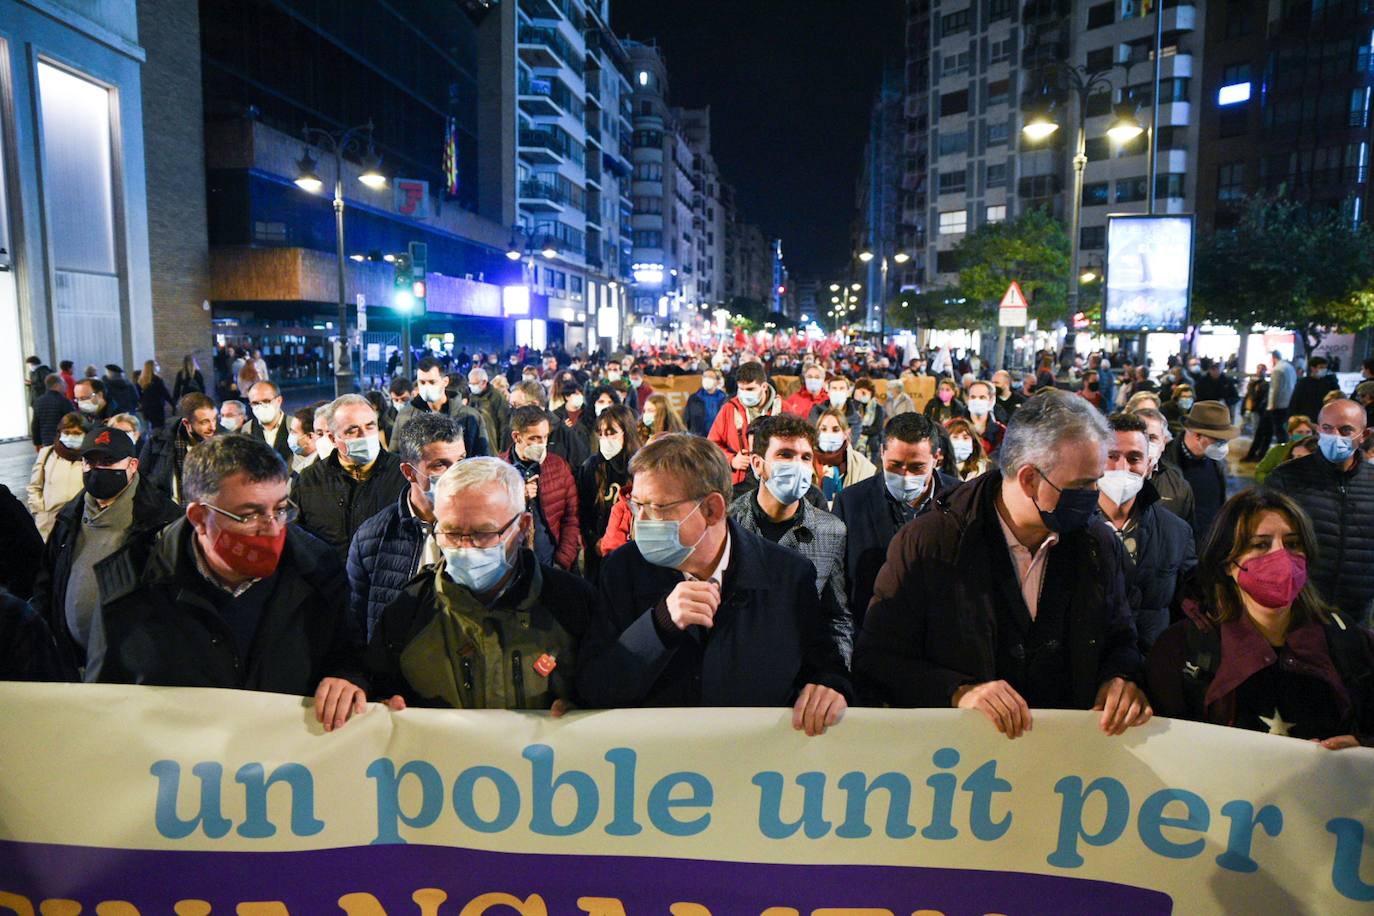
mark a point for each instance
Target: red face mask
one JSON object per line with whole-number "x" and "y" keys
{"x": 1275, "y": 579}
{"x": 253, "y": 555}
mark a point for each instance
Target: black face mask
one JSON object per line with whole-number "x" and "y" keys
{"x": 1075, "y": 509}
{"x": 1094, "y": 386}
{"x": 105, "y": 483}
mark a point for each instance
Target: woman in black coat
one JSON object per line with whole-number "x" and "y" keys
{"x": 188, "y": 379}
{"x": 153, "y": 396}
{"x": 603, "y": 476}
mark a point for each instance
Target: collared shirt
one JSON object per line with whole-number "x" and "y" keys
{"x": 717, "y": 574}
{"x": 429, "y": 552}
{"x": 1030, "y": 567}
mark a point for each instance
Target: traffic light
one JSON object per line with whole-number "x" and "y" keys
{"x": 403, "y": 293}
{"x": 419, "y": 266}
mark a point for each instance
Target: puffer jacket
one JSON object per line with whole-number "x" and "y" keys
{"x": 1165, "y": 556}
{"x": 383, "y": 557}
{"x": 731, "y": 428}
{"x": 1341, "y": 506}
{"x": 333, "y": 506}
{"x": 558, "y": 500}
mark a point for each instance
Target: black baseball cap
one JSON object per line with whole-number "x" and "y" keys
{"x": 108, "y": 444}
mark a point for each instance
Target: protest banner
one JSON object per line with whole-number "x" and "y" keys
{"x": 138, "y": 800}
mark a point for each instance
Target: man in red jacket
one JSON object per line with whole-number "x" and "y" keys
{"x": 811, "y": 394}
{"x": 754, "y": 398}
{"x": 549, "y": 488}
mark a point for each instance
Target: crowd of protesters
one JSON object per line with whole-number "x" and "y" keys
{"x": 546, "y": 531}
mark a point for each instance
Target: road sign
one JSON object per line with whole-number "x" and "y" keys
{"x": 362, "y": 312}
{"x": 1013, "y": 311}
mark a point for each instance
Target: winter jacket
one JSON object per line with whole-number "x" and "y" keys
{"x": 121, "y": 395}
{"x": 53, "y": 483}
{"x": 1341, "y": 506}
{"x": 619, "y": 527}
{"x": 872, "y": 519}
{"x": 1192, "y": 469}
{"x": 281, "y": 442}
{"x": 947, "y": 609}
{"x": 383, "y": 556}
{"x": 1179, "y": 690}
{"x": 731, "y": 429}
{"x": 164, "y": 453}
{"x": 770, "y": 636}
{"x": 940, "y": 412}
{"x": 595, "y": 501}
{"x": 1165, "y": 557}
{"x": 801, "y": 402}
{"x": 520, "y": 653}
{"x": 1222, "y": 388}
{"x": 857, "y": 468}
{"x": 23, "y": 552}
{"x": 1309, "y": 394}
{"x": 495, "y": 410}
{"x": 159, "y": 621}
{"x": 27, "y": 650}
{"x": 153, "y": 402}
{"x": 333, "y": 506}
{"x": 558, "y": 500}
{"x": 153, "y": 511}
{"x": 185, "y": 384}
{"x": 48, "y": 411}
{"x": 469, "y": 420}
{"x": 1175, "y": 493}
{"x": 702, "y": 408}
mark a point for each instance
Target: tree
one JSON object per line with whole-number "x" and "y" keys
{"x": 1033, "y": 250}
{"x": 930, "y": 310}
{"x": 1290, "y": 265}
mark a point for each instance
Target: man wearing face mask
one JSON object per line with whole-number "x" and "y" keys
{"x": 269, "y": 423}
{"x": 436, "y": 393}
{"x": 232, "y": 595}
{"x": 1159, "y": 545}
{"x": 783, "y": 461}
{"x": 1174, "y": 492}
{"x": 393, "y": 545}
{"x": 91, "y": 400}
{"x": 875, "y": 509}
{"x": 1200, "y": 454}
{"x": 839, "y": 394}
{"x": 754, "y": 398}
{"x": 705, "y": 404}
{"x": 1335, "y": 487}
{"x": 1008, "y": 399}
{"x": 115, "y": 510}
{"x": 1310, "y": 391}
{"x": 488, "y": 627}
{"x": 572, "y": 445}
{"x": 640, "y": 390}
{"x": 232, "y": 417}
{"x": 550, "y": 490}
{"x": 354, "y": 482}
{"x": 491, "y": 404}
{"x": 699, "y": 612}
{"x": 1010, "y": 594}
{"x": 301, "y": 440}
{"x": 164, "y": 452}
{"x": 811, "y": 395}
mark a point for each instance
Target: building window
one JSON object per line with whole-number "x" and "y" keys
{"x": 1097, "y": 148}
{"x": 1000, "y": 9}
{"x": 953, "y": 182}
{"x": 954, "y": 64}
{"x": 1103, "y": 14}
{"x": 1169, "y": 186}
{"x": 1101, "y": 59}
{"x": 954, "y": 103}
{"x": 947, "y": 262}
{"x": 953, "y": 143}
{"x": 649, "y": 171}
{"x": 1238, "y": 18}
{"x": 1095, "y": 194}
{"x": 997, "y": 175}
{"x": 954, "y": 222}
{"x": 1129, "y": 190}
{"x": 647, "y": 238}
{"x": 1230, "y": 182}
{"x": 997, "y": 213}
{"x": 998, "y": 91}
{"x": 953, "y": 23}
{"x": 575, "y": 285}
{"x": 999, "y": 51}
{"x": 1099, "y": 103}
{"x": 997, "y": 133}
{"x": 1092, "y": 237}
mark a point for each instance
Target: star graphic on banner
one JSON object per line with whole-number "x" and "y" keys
{"x": 1276, "y": 724}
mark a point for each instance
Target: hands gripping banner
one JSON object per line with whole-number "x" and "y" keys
{"x": 134, "y": 800}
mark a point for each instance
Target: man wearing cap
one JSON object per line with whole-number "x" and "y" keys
{"x": 1200, "y": 454}
{"x": 112, "y": 512}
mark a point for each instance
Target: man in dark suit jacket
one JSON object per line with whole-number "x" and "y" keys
{"x": 699, "y": 612}
{"x": 269, "y": 423}
{"x": 873, "y": 510}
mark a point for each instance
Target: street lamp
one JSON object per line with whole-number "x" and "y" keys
{"x": 1083, "y": 82}
{"x": 340, "y": 143}
{"x": 867, "y": 256}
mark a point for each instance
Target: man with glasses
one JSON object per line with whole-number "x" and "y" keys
{"x": 698, "y": 611}
{"x": 489, "y": 627}
{"x": 354, "y": 482}
{"x": 1200, "y": 454}
{"x": 116, "y": 510}
{"x": 232, "y": 595}
{"x": 269, "y": 424}
{"x": 396, "y": 543}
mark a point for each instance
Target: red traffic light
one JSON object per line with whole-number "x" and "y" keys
{"x": 418, "y": 289}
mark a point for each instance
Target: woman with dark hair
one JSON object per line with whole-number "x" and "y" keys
{"x": 1261, "y": 649}
{"x": 966, "y": 448}
{"x": 839, "y": 464}
{"x": 605, "y": 477}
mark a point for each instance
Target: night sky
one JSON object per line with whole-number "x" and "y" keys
{"x": 790, "y": 84}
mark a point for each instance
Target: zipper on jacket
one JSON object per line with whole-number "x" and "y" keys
{"x": 1335, "y": 595}
{"x": 467, "y": 678}
{"x": 517, "y": 676}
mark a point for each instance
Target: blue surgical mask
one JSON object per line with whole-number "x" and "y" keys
{"x": 814, "y": 385}
{"x": 750, "y": 398}
{"x": 659, "y": 542}
{"x": 1336, "y": 449}
{"x": 905, "y": 488}
{"x": 364, "y": 450}
{"x": 294, "y": 443}
{"x": 963, "y": 448}
{"x": 788, "y": 481}
{"x": 830, "y": 442}
{"x": 477, "y": 568}
{"x": 1185, "y": 403}
{"x": 72, "y": 442}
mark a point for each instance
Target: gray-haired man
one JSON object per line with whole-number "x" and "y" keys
{"x": 1011, "y": 593}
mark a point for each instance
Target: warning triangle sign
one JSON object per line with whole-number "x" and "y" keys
{"x": 1014, "y": 298}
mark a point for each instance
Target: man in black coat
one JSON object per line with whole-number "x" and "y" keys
{"x": 1212, "y": 385}
{"x": 48, "y": 410}
{"x": 875, "y": 509}
{"x": 1309, "y": 394}
{"x": 338, "y": 493}
{"x": 1200, "y": 454}
{"x": 164, "y": 452}
{"x": 232, "y": 595}
{"x": 119, "y": 391}
{"x": 23, "y": 552}
{"x": 435, "y": 392}
{"x": 1335, "y": 487}
{"x": 1159, "y": 545}
{"x": 1010, "y": 594}
{"x": 699, "y": 612}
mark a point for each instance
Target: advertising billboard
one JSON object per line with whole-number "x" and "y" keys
{"x": 1149, "y": 275}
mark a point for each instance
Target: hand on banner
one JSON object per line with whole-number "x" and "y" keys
{"x": 560, "y": 708}
{"x": 817, "y": 709}
{"x": 1000, "y": 703}
{"x": 1123, "y": 705}
{"x": 693, "y": 604}
{"x": 1338, "y": 743}
{"x": 396, "y": 703}
{"x": 338, "y": 700}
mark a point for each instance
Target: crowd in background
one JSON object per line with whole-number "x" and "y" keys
{"x": 814, "y": 530}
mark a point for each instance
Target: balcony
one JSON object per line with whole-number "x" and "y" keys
{"x": 549, "y": 9}
{"x": 544, "y": 47}
{"x": 542, "y": 196}
{"x": 1175, "y": 65}
{"x": 548, "y": 146}
{"x": 547, "y": 97}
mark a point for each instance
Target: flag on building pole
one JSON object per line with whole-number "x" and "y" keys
{"x": 451, "y": 158}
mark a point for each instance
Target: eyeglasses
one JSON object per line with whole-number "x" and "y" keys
{"x": 452, "y": 540}
{"x": 284, "y": 515}
{"x": 656, "y": 512}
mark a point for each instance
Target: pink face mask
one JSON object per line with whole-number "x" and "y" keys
{"x": 1275, "y": 579}
{"x": 945, "y": 395}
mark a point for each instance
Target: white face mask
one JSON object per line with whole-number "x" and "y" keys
{"x": 431, "y": 393}
{"x": 324, "y": 446}
{"x": 708, "y": 384}
{"x": 830, "y": 442}
{"x": 230, "y": 423}
{"x": 838, "y": 398}
{"x": 534, "y": 452}
{"x": 1120, "y": 486}
{"x": 575, "y": 402}
{"x": 1218, "y": 451}
{"x": 649, "y": 417}
{"x": 601, "y": 408}
{"x": 1154, "y": 450}
{"x": 963, "y": 449}
{"x": 979, "y": 407}
{"x": 265, "y": 413}
{"x": 610, "y": 446}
